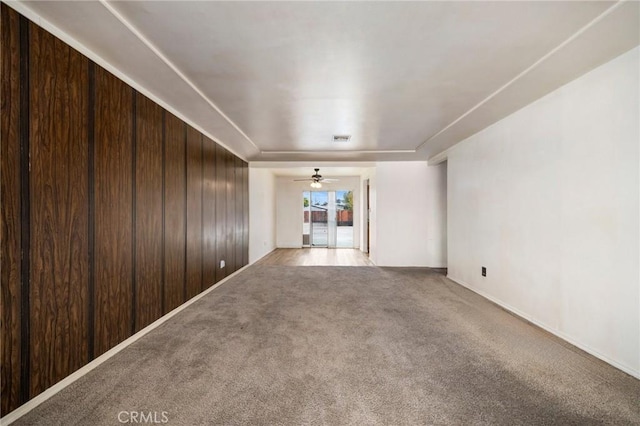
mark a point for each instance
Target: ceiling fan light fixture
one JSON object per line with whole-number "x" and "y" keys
{"x": 316, "y": 179}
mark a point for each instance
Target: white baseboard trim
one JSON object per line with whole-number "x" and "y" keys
{"x": 48, "y": 393}
{"x": 558, "y": 333}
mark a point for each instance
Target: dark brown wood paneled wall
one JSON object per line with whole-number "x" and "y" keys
{"x": 245, "y": 213}
{"x": 230, "y": 225}
{"x": 208, "y": 213}
{"x": 10, "y": 229}
{"x": 113, "y": 207}
{"x": 113, "y": 211}
{"x": 148, "y": 212}
{"x": 239, "y": 217}
{"x": 221, "y": 211}
{"x": 175, "y": 211}
{"x": 194, "y": 212}
{"x": 59, "y": 199}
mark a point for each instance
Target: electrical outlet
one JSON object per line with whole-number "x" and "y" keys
{"x": 484, "y": 271}
{"x": 222, "y": 264}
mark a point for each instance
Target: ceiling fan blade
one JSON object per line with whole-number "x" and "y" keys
{"x": 316, "y": 178}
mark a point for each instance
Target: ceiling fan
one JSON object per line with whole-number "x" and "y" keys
{"x": 316, "y": 179}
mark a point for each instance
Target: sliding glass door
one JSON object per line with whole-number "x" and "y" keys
{"x": 327, "y": 219}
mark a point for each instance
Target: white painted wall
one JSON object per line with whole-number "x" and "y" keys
{"x": 289, "y": 214}
{"x": 548, "y": 200}
{"x": 262, "y": 208}
{"x": 410, "y": 212}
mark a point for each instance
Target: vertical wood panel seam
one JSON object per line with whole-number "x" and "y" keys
{"x": 240, "y": 263}
{"x": 214, "y": 211}
{"x": 163, "y": 250}
{"x": 134, "y": 113}
{"x": 92, "y": 201}
{"x": 201, "y": 212}
{"x": 186, "y": 216}
{"x": 25, "y": 212}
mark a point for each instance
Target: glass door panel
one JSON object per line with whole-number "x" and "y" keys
{"x": 319, "y": 208}
{"x": 344, "y": 219}
{"x": 331, "y": 220}
{"x": 306, "y": 219}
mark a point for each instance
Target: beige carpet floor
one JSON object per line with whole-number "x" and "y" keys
{"x": 347, "y": 345}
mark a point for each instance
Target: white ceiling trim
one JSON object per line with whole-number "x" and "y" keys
{"x": 523, "y": 73}
{"x": 175, "y": 69}
{"x": 310, "y": 164}
{"x": 439, "y": 158}
{"x": 364, "y": 151}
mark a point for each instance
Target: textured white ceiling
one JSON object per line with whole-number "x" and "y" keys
{"x": 273, "y": 81}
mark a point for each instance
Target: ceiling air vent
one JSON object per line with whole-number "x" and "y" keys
{"x": 341, "y": 138}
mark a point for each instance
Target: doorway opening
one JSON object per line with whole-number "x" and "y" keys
{"x": 327, "y": 219}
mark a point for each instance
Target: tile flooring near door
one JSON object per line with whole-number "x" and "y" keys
{"x": 316, "y": 257}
